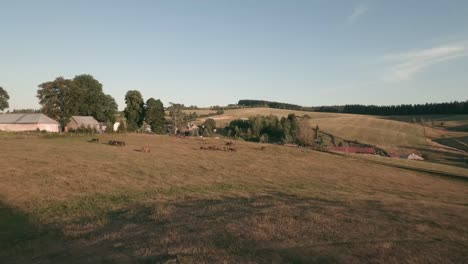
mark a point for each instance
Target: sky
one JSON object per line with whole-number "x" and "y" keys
{"x": 215, "y": 52}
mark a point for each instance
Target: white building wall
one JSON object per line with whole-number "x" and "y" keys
{"x": 29, "y": 127}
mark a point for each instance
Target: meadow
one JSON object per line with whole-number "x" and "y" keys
{"x": 64, "y": 200}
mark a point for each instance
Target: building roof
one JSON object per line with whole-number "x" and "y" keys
{"x": 360, "y": 150}
{"x": 85, "y": 120}
{"x": 26, "y": 119}
{"x": 413, "y": 156}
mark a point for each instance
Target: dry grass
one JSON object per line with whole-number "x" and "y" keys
{"x": 424, "y": 166}
{"x": 66, "y": 200}
{"x": 232, "y": 114}
{"x": 373, "y": 130}
{"x": 449, "y": 122}
{"x": 199, "y": 112}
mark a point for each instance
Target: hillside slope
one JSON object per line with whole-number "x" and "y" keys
{"x": 368, "y": 129}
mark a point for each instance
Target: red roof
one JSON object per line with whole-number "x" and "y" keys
{"x": 360, "y": 150}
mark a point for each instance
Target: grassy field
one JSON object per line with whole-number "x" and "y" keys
{"x": 231, "y": 114}
{"x": 372, "y": 130}
{"x": 64, "y": 200}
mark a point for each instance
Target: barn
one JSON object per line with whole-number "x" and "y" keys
{"x": 27, "y": 122}
{"x": 359, "y": 150}
{"x": 82, "y": 122}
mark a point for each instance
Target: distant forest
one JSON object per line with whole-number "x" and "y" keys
{"x": 451, "y": 108}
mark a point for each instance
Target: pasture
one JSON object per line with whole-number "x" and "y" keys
{"x": 64, "y": 200}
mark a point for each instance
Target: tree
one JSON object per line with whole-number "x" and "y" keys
{"x": 305, "y": 133}
{"x": 108, "y": 109}
{"x": 60, "y": 99}
{"x": 209, "y": 127}
{"x": 154, "y": 115}
{"x": 95, "y": 102}
{"x": 4, "y": 97}
{"x": 178, "y": 117}
{"x": 134, "y": 112}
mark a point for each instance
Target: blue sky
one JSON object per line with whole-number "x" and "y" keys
{"x": 217, "y": 52}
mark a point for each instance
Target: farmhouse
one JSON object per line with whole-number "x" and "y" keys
{"x": 27, "y": 122}
{"x": 77, "y": 122}
{"x": 413, "y": 156}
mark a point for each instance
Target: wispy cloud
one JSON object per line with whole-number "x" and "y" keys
{"x": 407, "y": 65}
{"x": 358, "y": 12}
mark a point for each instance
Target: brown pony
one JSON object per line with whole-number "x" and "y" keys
{"x": 117, "y": 143}
{"x": 146, "y": 150}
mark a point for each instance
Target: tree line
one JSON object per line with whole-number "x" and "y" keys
{"x": 138, "y": 112}
{"x": 83, "y": 95}
{"x": 271, "y": 129}
{"x": 262, "y": 103}
{"x": 4, "y": 97}
{"x": 451, "y": 108}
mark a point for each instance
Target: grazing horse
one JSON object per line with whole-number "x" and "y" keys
{"x": 229, "y": 149}
{"x": 117, "y": 143}
{"x": 146, "y": 150}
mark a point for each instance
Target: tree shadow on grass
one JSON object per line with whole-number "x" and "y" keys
{"x": 21, "y": 238}
{"x": 269, "y": 228}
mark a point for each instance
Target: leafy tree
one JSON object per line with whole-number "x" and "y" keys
{"x": 134, "y": 112}
{"x": 26, "y": 111}
{"x": 122, "y": 127}
{"x": 270, "y": 129}
{"x": 305, "y": 133}
{"x": 60, "y": 99}
{"x": 94, "y": 102}
{"x": 4, "y": 97}
{"x": 92, "y": 91}
{"x": 109, "y": 109}
{"x": 110, "y": 127}
{"x": 177, "y": 117}
{"x": 209, "y": 127}
{"x": 154, "y": 115}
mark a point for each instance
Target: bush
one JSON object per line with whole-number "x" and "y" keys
{"x": 84, "y": 129}
{"x": 208, "y": 127}
{"x": 109, "y": 128}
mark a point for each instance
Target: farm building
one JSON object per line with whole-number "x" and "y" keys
{"x": 77, "y": 122}
{"x": 27, "y": 122}
{"x": 413, "y": 156}
{"x": 359, "y": 150}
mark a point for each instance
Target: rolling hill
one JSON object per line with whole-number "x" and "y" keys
{"x": 367, "y": 129}
{"x": 438, "y": 138}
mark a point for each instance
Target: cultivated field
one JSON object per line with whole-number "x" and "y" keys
{"x": 64, "y": 200}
